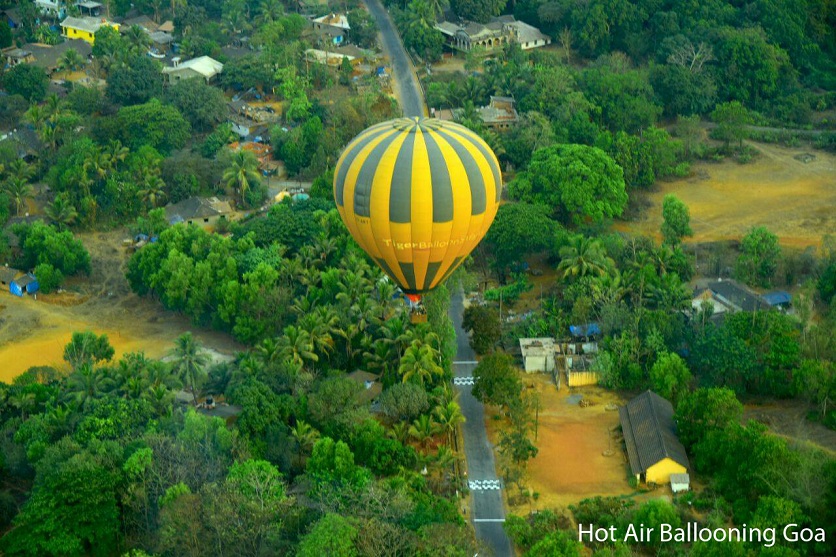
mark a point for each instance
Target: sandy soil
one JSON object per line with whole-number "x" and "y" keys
{"x": 571, "y": 464}
{"x": 34, "y": 332}
{"x": 794, "y": 199}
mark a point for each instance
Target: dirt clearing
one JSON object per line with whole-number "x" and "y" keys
{"x": 795, "y": 199}
{"x": 573, "y": 442}
{"x": 34, "y": 332}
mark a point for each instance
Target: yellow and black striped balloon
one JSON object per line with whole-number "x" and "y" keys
{"x": 418, "y": 194}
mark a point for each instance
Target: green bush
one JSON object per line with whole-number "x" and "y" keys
{"x": 49, "y": 278}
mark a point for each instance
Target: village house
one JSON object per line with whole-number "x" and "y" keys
{"x": 538, "y": 354}
{"x": 497, "y": 33}
{"x": 202, "y": 67}
{"x": 14, "y": 56}
{"x": 332, "y": 27}
{"x": 370, "y": 383}
{"x": 25, "y": 283}
{"x": 52, "y": 8}
{"x": 89, "y": 8}
{"x": 499, "y": 115}
{"x": 198, "y": 211}
{"x": 7, "y": 275}
{"x": 729, "y": 296}
{"x": 653, "y": 449}
{"x": 84, "y": 28}
{"x": 49, "y": 57}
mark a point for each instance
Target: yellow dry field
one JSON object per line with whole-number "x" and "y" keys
{"x": 34, "y": 332}
{"x": 794, "y": 199}
{"x": 579, "y": 456}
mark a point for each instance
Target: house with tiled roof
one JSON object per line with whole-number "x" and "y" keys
{"x": 653, "y": 449}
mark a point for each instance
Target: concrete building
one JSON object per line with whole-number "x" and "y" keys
{"x": 499, "y": 115}
{"x": 729, "y": 296}
{"x": 538, "y": 354}
{"x": 49, "y": 57}
{"x": 198, "y": 211}
{"x": 653, "y": 449}
{"x": 84, "y": 28}
{"x": 680, "y": 483}
{"x": 24, "y": 284}
{"x": 201, "y": 67}
{"x": 497, "y": 33}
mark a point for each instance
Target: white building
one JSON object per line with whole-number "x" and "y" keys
{"x": 538, "y": 354}
{"x": 202, "y": 66}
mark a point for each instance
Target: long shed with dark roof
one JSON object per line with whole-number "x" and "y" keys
{"x": 649, "y": 431}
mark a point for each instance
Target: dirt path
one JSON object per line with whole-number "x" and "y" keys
{"x": 793, "y": 198}
{"x": 789, "y": 419}
{"x": 34, "y": 332}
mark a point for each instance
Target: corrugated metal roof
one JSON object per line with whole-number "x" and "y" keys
{"x": 650, "y": 432}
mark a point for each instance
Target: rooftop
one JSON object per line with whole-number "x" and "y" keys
{"x": 89, "y": 24}
{"x": 143, "y": 21}
{"x": 204, "y": 65}
{"x": 737, "y": 296}
{"x": 47, "y": 56}
{"x": 7, "y": 274}
{"x": 369, "y": 381}
{"x": 650, "y": 432}
{"x": 196, "y": 208}
{"x": 334, "y": 20}
{"x": 536, "y": 346}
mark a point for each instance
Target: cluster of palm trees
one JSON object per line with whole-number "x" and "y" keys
{"x": 137, "y": 377}
{"x": 15, "y": 183}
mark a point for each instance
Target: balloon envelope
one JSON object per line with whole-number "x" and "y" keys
{"x": 417, "y": 194}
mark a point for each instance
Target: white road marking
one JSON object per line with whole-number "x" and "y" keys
{"x": 465, "y": 362}
{"x": 464, "y": 380}
{"x": 488, "y": 520}
{"x": 484, "y": 485}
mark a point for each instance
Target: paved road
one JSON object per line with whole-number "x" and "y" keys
{"x": 487, "y": 512}
{"x": 408, "y": 91}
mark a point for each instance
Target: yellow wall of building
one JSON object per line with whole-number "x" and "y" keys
{"x": 72, "y": 33}
{"x": 582, "y": 378}
{"x": 660, "y": 473}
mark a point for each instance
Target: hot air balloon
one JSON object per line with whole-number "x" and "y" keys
{"x": 417, "y": 194}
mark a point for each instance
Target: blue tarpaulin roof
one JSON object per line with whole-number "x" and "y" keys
{"x": 588, "y": 330}
{"x": 777, "y": 298}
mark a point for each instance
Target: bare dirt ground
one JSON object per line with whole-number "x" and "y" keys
{"x": 795, "y": 199}
{"x": 788, "y": 418}
{"x": 34, "y": 332}
{"x": 573, "y": 442}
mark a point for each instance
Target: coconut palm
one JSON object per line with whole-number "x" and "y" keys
{"x": 189, "y": 361}
{"x": 242, "y": 172}
{"x": 116, "y": 153}
{"x": 423, "y": 429}
{"x": 305, "y": 436}
{"x": 269, "y": 11}
{"x": 420, "y": 363}
{"x": 297, "y": 346}
{"x": 583, "y": 257}
{"x": 18, "y": 190}
{"x": 154, "y": 191}
{"x": 70, "y": 61}
{"x": 35, "y": 115}
{"x": 448, "y": 418}
{"x": 61, "y": 211}
{"x": 97, "y": 164}
{"x": 138, "y": 40}
{"x": 86, "y": 384}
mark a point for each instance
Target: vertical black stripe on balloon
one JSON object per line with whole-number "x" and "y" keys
{"x": 452, "y": 268}
{"x": 365, "y": 178}
{"x": 490, "y": 158}
{"x": 471, "y": 167}
{"x": 442, "y": 186}
{"x": 387, "y": 269}
{"x": 408, "y": 270}
{"x": 348, "y": 160}
{"x": 432, "y": 270}
{"x": 400, "y": 194}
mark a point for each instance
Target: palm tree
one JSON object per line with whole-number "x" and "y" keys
{"x": 241, "y": 173}
{"x": 138, "y": 40}
{"x": 423, "y": 429}
{"x": 18, "y": 190}
{"x": 269, "y": 11}
{"x": 98, "y": 164}
{"x": 297, "y": 346}
{"x": 70, "y": 61}
{"x": 35, "y": 115}
{"x": 420, "y": 362}
{"x": 305, "y": 436}
{"x": 116, "y": 153}
{"x": 154, "y": 191}
{"x": 86, "y": 384}
{"x": 189, "y": 361}
{"x": 448, "y": 418}
{"x": 583, "y": 257}
{"x": 60, "y": 210}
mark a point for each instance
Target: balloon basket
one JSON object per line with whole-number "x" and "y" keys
{"x": 416, "y": 317}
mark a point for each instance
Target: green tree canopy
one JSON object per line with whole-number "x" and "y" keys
{"x": 579, "y": 183}
{"x": 136, "y": 82}
{"x": 201, "y": 104}
{"x": 497, "y": 381}
{"x": 154, "y": 124}
{"x": 518, "y": 230}
{"x": 26, "y": 80}
{"x": 705, "y": 410}
{"x": 759, "y": 258}
{"x": 478, "y": 10}
{"x": 670, "y": 376}
{"x": 676, "y": 220}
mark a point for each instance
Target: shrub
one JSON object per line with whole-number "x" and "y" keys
{"x": 49, "y": 278}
